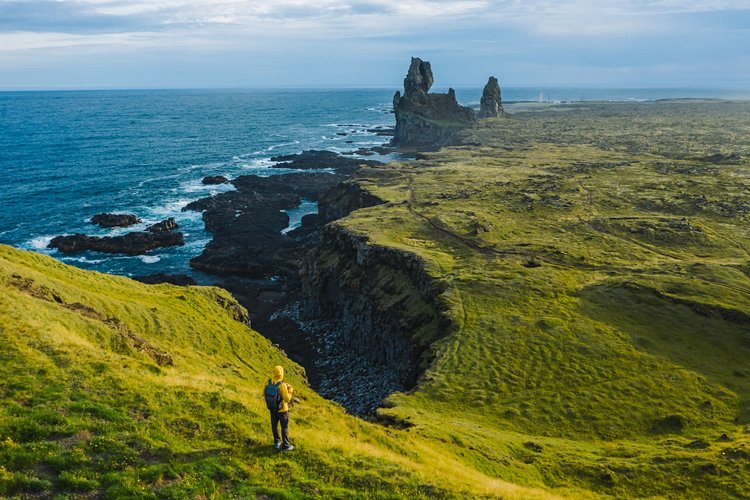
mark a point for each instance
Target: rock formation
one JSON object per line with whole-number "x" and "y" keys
{"x": 426, "y": 120}
{"x": 491, "y": 104}
{"x": 134, "y": 243}
{"x": 163, "y": 226}
{"x": 131, "y": 244}
{"x": 215, "y": 179}
{"x": 115, "y": 220}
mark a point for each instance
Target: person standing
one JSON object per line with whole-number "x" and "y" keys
{"x": 278, "y": 395}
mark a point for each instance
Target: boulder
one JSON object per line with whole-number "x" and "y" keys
{"x": 491, "y": 105}
{"x": 215, "y": 179}
{"x": 115, "y": 220}
{"x": 163, "y": 226}
{"x": 425, "y": 120}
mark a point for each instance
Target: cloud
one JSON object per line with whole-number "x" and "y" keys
{"x": 276, "y": 40}
{"x": 351, "y": 17}
{"x": 44, "y": 16}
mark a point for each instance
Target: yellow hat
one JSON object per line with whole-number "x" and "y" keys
{"x": 278, "y": 373}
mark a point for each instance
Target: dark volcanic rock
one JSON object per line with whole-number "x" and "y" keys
{"x": 163, "y": 226}
{"x": 247, "y": 224}
{"x": 343, "y": 200}
{"x": 115, "y": 220}
{"x": 424, "y": 119}
{"x": 215, "y": 179}
{"x": 383, "y": 131}
{"x": 172, "y": 279}
{"x": 491, "y": 105}
{"x": 314, "y": 159}
{"x": 134, "y": 243}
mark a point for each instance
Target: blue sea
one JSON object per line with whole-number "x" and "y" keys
{"x": 68, "y": 155}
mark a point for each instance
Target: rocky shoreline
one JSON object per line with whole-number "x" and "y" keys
{"x": 313, "y": 289}
{"x": 159, "y": 235}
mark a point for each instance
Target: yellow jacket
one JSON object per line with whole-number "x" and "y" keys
{"x": 285, "y": 389}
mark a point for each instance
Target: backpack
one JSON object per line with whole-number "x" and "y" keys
{"x": 273, "y": 395}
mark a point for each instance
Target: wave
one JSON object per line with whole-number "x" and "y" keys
{"x": 277, "y": 146}
{"x": 197, "y": 186}
{"x": 150, "y": 259}
{"x": 83, "y": 260}
{"x": 39, "y": 243}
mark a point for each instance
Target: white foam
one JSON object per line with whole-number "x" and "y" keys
{"x": 258, "y": 163}
{"x": 276, "y": 146}
{"x": 150, "y": 259}
{"x": 39, "y": 243}
{"x": 83, "y": 260}
{"x": 295, "y": 214}
{"x": 197, "y": 186}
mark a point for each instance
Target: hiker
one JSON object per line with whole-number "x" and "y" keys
{"x": 278, "y": 395}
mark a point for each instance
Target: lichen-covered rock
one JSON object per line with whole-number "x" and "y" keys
{"x": 491, "y": 104}
{"x": 425, "y": 120}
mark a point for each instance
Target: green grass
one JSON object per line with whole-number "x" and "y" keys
{"x": 594, "y": 261}
{"x": 119, "y": 389}
{"x": 595, "y": 264}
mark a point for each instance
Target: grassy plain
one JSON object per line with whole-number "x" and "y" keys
{"x": 595, "y": 262}
{"x": 595, "y": 259}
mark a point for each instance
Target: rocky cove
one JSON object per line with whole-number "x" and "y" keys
{"x": 348, "y": 311}
{"x": 360, "y": 318}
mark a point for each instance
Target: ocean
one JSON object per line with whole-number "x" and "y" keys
{"x": 68, "y": 155}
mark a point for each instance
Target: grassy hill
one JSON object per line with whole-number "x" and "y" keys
{"x": 118, "y": 389}
{"x": 595, "y": 263}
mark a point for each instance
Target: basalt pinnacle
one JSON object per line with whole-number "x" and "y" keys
{"x": 423, "y": 119}
{"x": 491, "y": 104}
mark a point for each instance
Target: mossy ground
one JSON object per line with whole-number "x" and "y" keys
{"x": 111, "y": 388}
{"x": 596, "y": 265}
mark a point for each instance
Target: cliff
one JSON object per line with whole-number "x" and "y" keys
{"x": 382, "y": 314}
{"x": 424, "y": 119}
{"x": 594, "y": 271}
{"x": 116, "y": 389}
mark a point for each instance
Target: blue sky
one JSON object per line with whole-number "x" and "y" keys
{"x": 293, "y": 43}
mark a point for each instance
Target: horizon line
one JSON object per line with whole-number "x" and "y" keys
{"x": 364, "y": 87}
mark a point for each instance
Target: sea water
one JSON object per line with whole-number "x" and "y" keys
{"x": 68, "y": 155}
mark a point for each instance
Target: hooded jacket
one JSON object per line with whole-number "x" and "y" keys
{"x": 285, "y": 389}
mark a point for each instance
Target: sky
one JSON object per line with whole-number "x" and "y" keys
{"x": 49, "y": 44}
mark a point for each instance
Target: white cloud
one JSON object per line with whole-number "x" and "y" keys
{"x": 233, "y": 21}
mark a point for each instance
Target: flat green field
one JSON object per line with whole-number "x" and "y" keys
{"x": 596, "y": 266}
{"x": 596, "y": 270}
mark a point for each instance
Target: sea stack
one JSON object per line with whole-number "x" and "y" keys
{"x": 491, "y": 104}
{"x": 425, "y": 120}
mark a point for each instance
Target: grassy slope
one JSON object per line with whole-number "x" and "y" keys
{"x": 90, "y": 405}
{"x": 597, "y": 268}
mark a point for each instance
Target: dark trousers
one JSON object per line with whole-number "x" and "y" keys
{"x": 283, "y": 418}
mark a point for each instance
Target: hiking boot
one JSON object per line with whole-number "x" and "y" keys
{"x": 288, "y": 447}
{"x": 277, "y": 444}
